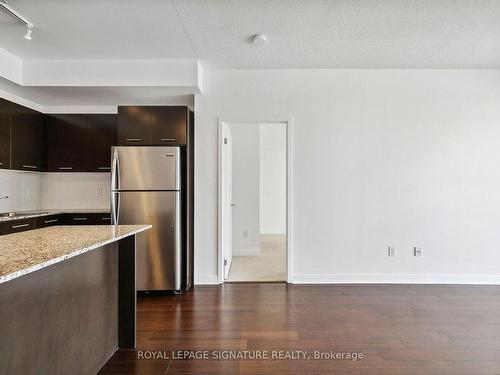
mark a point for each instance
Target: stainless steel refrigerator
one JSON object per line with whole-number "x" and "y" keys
{"x": 146, "y": 188}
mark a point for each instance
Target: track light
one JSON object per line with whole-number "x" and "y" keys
{"x": 8, "y": 9}
{"x": 28, "y": 36}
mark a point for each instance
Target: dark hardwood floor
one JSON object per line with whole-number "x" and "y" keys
{"x": 400, "y": 329}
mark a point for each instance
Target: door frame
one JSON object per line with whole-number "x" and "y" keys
{"x": 289, "y": 194}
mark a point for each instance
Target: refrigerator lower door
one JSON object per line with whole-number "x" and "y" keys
{"x": 158, "y": 249}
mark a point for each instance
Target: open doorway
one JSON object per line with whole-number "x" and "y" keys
{"x": 253, "y": 201}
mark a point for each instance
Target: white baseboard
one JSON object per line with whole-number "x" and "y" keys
{"x": 395, "y": 279}
{"x": 245, "y": 252}
{"x": 273, "y": 232}
{"x": 205, "y": 280}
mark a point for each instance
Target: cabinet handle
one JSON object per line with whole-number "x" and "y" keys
{"x": 30, "y": 166}
{"x": 169, "y": 139}
{"x": 4, "y": 197}
{"x": 50, "y": 221}
{"x": 134, "y": 140}
{"x": 20, "y": 226}
{"x": 80, "y": 219}
{"x": 104, "y": 168}
{"x": 105, "y": 218}
{"x": 1, "y": 163}
{"x": 65, "y": 168}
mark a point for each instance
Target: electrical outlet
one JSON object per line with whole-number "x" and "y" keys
{"x": 99, "y": 192}
{"x": 417, "y": 251}
{"x": 391, "y": 251}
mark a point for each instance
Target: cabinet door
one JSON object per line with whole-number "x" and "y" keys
{"x": 27, "y": 139}
{"x": 134, "y": 126}
{"x": 77, "y": 219}
{"x": 4, "y": 134}
{"x": 66, "y": 139}
{"x": 101, "y": 135}
{"x": 99, "y": 218}
{"x": 169, "y": 125}
{"x": 14, "y": 226}
{"x": 48, "y": 221}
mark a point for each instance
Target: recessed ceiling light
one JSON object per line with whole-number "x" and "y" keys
{"x": 259, "y": 40}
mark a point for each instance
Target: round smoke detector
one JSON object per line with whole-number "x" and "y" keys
{"x": 259, "y": 40}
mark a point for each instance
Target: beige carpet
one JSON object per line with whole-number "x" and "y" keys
{"x": 269, "y": 265}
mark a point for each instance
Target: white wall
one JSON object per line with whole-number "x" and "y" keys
{"x": 245, "y": 161}
{"x": 24, "y": 190}
{"x": 76, "y": 191}
{"x": 272, "y": 171}
{"x": 381, "y": 157}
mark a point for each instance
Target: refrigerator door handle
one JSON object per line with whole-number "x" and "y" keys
{"x": 115, "y": 170}
{"x": 115, "y": 208}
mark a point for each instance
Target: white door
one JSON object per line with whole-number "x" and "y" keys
{"x": 227, "y": 197}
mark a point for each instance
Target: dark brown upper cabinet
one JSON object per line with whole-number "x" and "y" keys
{"x": 134, "y": 126}
{"x": 66, "y": 142}
{"x": 152, "y": 125}
{"x": 169, "y": 125}
{"x": 101, "y": 135}
{"x": 4, "y": 134}
{"x": 27, "y": 139}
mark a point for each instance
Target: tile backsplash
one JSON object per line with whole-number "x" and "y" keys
{"x": 34, "y": 191}
{"x": 23, "y": 189}
{"x": 76, "y": 190}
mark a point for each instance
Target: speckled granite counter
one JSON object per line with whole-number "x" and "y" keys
{"x": 39, "y": 213}
{"x": 25, "y": 252}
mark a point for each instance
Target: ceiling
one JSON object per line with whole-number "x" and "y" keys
{"x": 96, "y": 29}
{"x": 345, "y": 34}
{"x": 302, "y": 33}
{"x": 53, "y": 97}
{"x": 371, "y": 34}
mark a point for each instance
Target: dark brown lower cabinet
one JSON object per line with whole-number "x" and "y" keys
{"x": 20, "y": 225}
{"x": 14, "y": 226}
{"x": 48, "y": 221}
{"x": 87, "y": 219}
{"x": 62, "y": 319}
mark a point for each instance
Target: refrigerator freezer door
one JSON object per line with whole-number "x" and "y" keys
{"x": 158, "y": 249}
{"x": 145, "y": 168}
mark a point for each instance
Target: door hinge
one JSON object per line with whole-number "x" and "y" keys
{"x": 225, "y": 262}
{"x": 225, "y": 141}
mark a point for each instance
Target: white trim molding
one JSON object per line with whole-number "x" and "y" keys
{"x": 289, "y": 192}
{"x": 396, "y": 279}
{"x": 205, "y": 280}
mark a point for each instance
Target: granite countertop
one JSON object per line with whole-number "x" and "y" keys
{"x": 38, "y": 213}
{"x": 25, "y": 252}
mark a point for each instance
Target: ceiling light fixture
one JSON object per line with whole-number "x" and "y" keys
{"x": 29, "y": 30}
{"x": 259, "y": 40}
{"x": 29, "y": 26}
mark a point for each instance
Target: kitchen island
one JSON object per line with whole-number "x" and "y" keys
{"x": 67, "y": 298}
